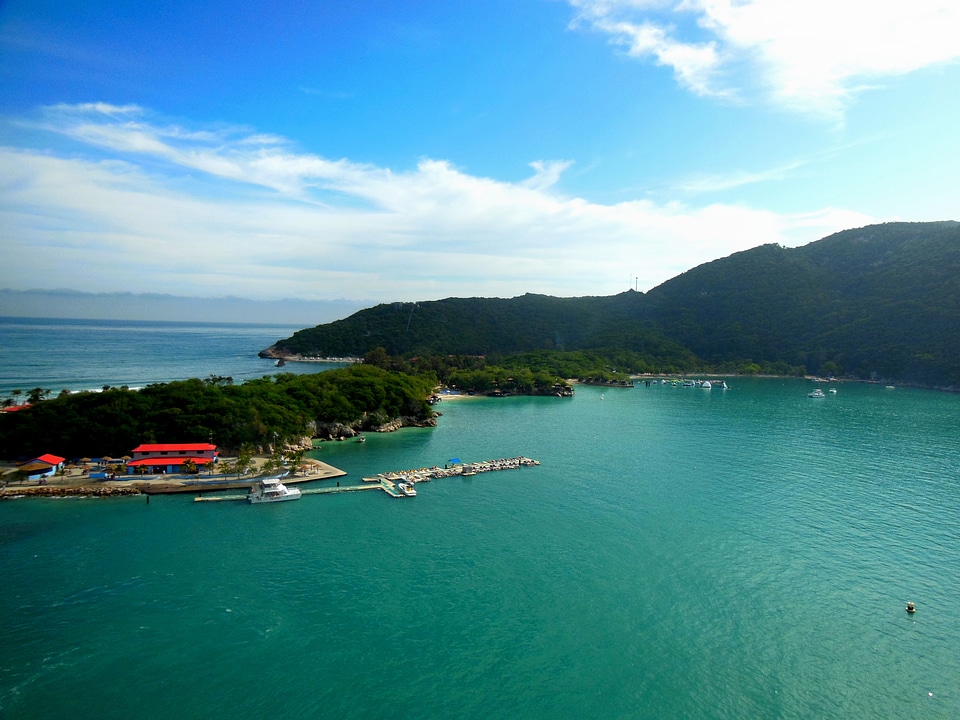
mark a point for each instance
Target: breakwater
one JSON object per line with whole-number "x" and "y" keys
{"x": 390, "y": 482}
{"x": 66, "y": 491}
{"x": 467, "y": 469}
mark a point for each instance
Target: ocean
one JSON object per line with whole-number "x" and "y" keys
{"x": 75, "y": 355}
{"x": 679, "y": 553}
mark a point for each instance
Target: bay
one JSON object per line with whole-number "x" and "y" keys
{"x": 679, "y": 553}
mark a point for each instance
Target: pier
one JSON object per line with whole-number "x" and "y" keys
{"x": 388, "y": 481}
{"x": 308, "y": 491}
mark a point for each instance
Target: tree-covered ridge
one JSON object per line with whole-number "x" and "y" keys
{"x": 880, "y": 302}
{"x": 116, "y": 420}
{"x": 541, "y": 372}
{"x": 481, "y": 326}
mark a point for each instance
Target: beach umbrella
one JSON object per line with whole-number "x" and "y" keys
{"x": 84, "y": 460}
{"x": 455, "y": 460}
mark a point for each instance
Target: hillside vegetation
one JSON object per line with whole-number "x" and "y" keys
{"x": 256, "y": 413}
{"x": 880, "y": 302}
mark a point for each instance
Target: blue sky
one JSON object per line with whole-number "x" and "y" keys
{"x": 382, "y": 151}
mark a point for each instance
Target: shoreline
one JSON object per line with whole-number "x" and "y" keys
{"x": 78, "y": 485}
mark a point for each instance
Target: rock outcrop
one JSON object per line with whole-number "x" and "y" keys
{"x": 67, "y": 490}
{"x": 371, "y": 423}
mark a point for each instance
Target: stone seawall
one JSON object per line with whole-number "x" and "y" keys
{"x": 67, "y": 490}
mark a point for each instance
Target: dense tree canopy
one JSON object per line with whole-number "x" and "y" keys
{"x": 116, "y": 420}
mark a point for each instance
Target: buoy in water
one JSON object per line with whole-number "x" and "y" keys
{"x": 911, "y": 608}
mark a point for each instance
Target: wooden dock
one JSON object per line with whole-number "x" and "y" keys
{"x": 308, "y": 491}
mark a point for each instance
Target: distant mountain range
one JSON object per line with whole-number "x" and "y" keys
{"x": 154, "y": 306}
{"x": 880, "y": 302}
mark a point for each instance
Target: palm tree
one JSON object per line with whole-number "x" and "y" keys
{"x": 37, "y": 394}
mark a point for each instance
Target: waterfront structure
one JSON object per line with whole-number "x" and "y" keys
{"x": 170, "y": 458}
{"x": 41, "y": 467}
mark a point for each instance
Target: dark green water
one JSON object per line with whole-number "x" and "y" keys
{"x": 680, "y": 553}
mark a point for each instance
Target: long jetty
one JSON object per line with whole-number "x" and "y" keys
{"x": 389, "y": 482}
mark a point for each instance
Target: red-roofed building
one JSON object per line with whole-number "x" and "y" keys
{"x": 170, "y": 457}
{"x": 16, "y": 408}
{"x": 41, "y": 467}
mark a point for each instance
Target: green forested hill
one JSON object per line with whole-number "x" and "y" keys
{"x": 485, "y": 326}
{"x": 880, "y": 302}
{"x": 254, "y": 413}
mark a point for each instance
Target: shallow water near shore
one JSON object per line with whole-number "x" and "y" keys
{"x": 679, "y": 553}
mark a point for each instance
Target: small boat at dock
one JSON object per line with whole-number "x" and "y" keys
{"x": 407, "y": 489}
{"x": 270, "y": 489}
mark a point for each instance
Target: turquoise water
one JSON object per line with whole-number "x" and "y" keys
{"x": 88, "y": 354}
{"x": 679, "y": 553}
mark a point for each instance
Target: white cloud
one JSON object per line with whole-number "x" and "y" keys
{"x": 810, "y": 56}
{"x": 214, "y": 212}
{"x": 718, "y": 183}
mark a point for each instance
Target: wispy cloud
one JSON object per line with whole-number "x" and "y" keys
{"x": 812, "y": 56}
{"x": 719, "y": 183}
{"x": 212, "y": 211}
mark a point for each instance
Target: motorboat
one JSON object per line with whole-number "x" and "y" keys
{"x": 270, "y": 489}
{"x": 832, "y": 391}
{"x": 818, "y": 393}
{"x": 706, "y": 385}
{"x": 407, "y": 489}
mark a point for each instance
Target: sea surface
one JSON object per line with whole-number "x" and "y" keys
{"x": 88, "y": 354}
{"x": 679, "y": 553}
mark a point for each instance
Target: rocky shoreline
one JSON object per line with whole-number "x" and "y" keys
{"x": 343, "y": 431}
{"x": 11, "y": 492}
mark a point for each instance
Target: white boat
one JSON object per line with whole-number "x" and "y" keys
{"x": 818, "y": 393}
{"x": 706, "y": 385}
{"x": 407, "y": 489}
{"x": 270, "y": 489}
{"x": 832, "y": 391}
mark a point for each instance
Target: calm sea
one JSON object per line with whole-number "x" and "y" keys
{"x": 88, "y": 354}
{"x": 679, "y": 553}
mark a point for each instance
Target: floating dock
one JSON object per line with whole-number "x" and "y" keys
{"x": 388, "y": 482}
